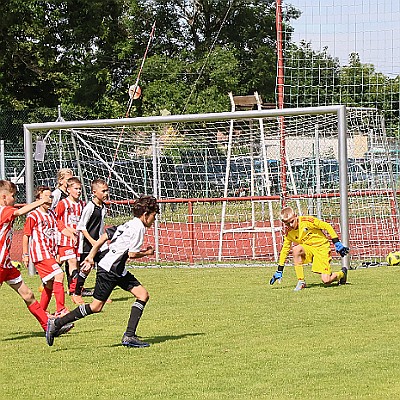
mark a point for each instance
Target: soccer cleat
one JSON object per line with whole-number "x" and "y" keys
{"x": 300, "y": 286}
{"x": 51, "y": 331}
{"x": 64, "y": 329}
{"x": 77, "y": 299}
{"x": 342, "y": 281}
{"x": 87, "y": 292}
{"x": 133, "y": 341}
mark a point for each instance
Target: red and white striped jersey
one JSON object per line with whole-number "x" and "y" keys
{"x": 68, "y": 213}
{"x": 43, "y": 232}
{"x": 7, "y": 218}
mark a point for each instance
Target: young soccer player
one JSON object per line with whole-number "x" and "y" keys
{"x": 90, "y": 227}
{"x": 310, "y": 246}
{"x": 60, "y": 192}
{"x": 126, "y": 243}
{"x": 68, "y": 212}
{"x": 39, "y": 244}
{"x": 8, "y": 273}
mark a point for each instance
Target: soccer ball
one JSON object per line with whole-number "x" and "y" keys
{"x": 393, "y": 258}
{"x": 135, "y": 92}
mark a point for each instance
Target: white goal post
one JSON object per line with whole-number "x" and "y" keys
{"x": 294, "y": 156}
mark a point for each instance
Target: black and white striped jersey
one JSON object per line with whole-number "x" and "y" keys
{"x": 128, "y": 238}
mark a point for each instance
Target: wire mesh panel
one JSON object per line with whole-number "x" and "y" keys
{"x": 344, "y": 52}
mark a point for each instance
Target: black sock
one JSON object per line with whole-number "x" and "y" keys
{"x": 136, "y": 313}
{"x": 81, "y": 311}
{"x": 79, "y": 283}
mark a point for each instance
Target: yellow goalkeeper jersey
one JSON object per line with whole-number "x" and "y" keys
{"x": 310, "y": 232}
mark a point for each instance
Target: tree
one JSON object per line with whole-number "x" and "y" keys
{"x": 85, "y": 53}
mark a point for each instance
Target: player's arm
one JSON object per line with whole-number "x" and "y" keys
{"x": 27, "y": 233}
{"x": 86, "y": 234}
{"x": 87, "y": 212}
{"x": 149, "y": 251}
{"x": 88, "y": 262}
{"x": 29, "y": 207}
{"x": 277, "y": 276}
{"x": 25, "y": 249}
{"x": 339, "y": 246}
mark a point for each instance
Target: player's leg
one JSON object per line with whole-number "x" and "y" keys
{"x": 299, "y": 256}
{"x": 27, "y": 295}
{"x": 59, "y": 293}
{"x": 73, "y": 272}
{"x": 131, "y": 284}
{"x": 322, "y": 266}
{"x": 105, "y": 283}
{"x": 81, "y": 278}
{"x": 339, "y": 276}
{"x": 45, "y": 295}
{"x": 66, "y": 254}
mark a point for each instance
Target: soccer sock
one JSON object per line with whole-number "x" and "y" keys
{"x": 45, "y": 297}
{"x": 80, "y": 282}
{"x": 339, "y": 275}
{"x": 67, "y": 274}
{"x": 73, "y": 280}
{"x": 39, "y": 314}
{"x": 81, "y": 311}
{"x": 136, "y": 313}
{"x": 299, "y": 272}
{"x": 59, "y": 295}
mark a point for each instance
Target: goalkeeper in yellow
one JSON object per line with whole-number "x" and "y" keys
{"x": 310, "y": 245}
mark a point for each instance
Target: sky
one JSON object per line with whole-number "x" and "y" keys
{"x": 370, "y": 28}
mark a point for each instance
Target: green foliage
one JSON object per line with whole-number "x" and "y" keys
{"x": 84, "y": 54}
{"x": 211, "y": 340}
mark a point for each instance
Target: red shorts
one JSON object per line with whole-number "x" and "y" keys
{"x": 67, "y": 252}
{"x": 48, "y": 269}
{"x": 10, "y": 275}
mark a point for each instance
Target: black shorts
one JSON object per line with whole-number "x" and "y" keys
{"x": 107, "y": 281}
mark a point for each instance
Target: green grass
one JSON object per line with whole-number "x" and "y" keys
{"x": 217, "y": 333}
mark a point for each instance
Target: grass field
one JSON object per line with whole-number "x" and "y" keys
{"x": 217, "y": 333}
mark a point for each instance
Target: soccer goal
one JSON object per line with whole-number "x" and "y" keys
{"x": 233, "y": 171}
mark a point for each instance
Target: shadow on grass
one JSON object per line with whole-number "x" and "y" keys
{"x": 162, "y": 339}
{"x": 23, "y": 336}
{"x": 125, "y": 298}
{"x": 314, "y": 285}
{"x": 30, "y": 335}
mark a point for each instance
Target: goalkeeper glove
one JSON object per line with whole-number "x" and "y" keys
{"x": 276, "y": 277}
{"x": 341, "y": 249}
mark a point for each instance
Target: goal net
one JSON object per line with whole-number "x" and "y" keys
{"x": 343, "y": 52}
{"x": 221, "y": 178}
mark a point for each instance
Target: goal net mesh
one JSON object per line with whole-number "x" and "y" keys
{"x": 193, "y": 166}
{"x": 344, "y": 52}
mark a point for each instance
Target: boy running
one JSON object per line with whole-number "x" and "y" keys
{"x": 91, "y": 227}
{"x": 68, "y": 212}
{"x": 310, "y": 246}
{"x": 126, "y": 243}
{"x": 39, "y": 244}
{"x": 8, "y": 273}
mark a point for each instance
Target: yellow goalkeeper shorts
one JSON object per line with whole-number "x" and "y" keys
{"x": 319, "y": 258}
